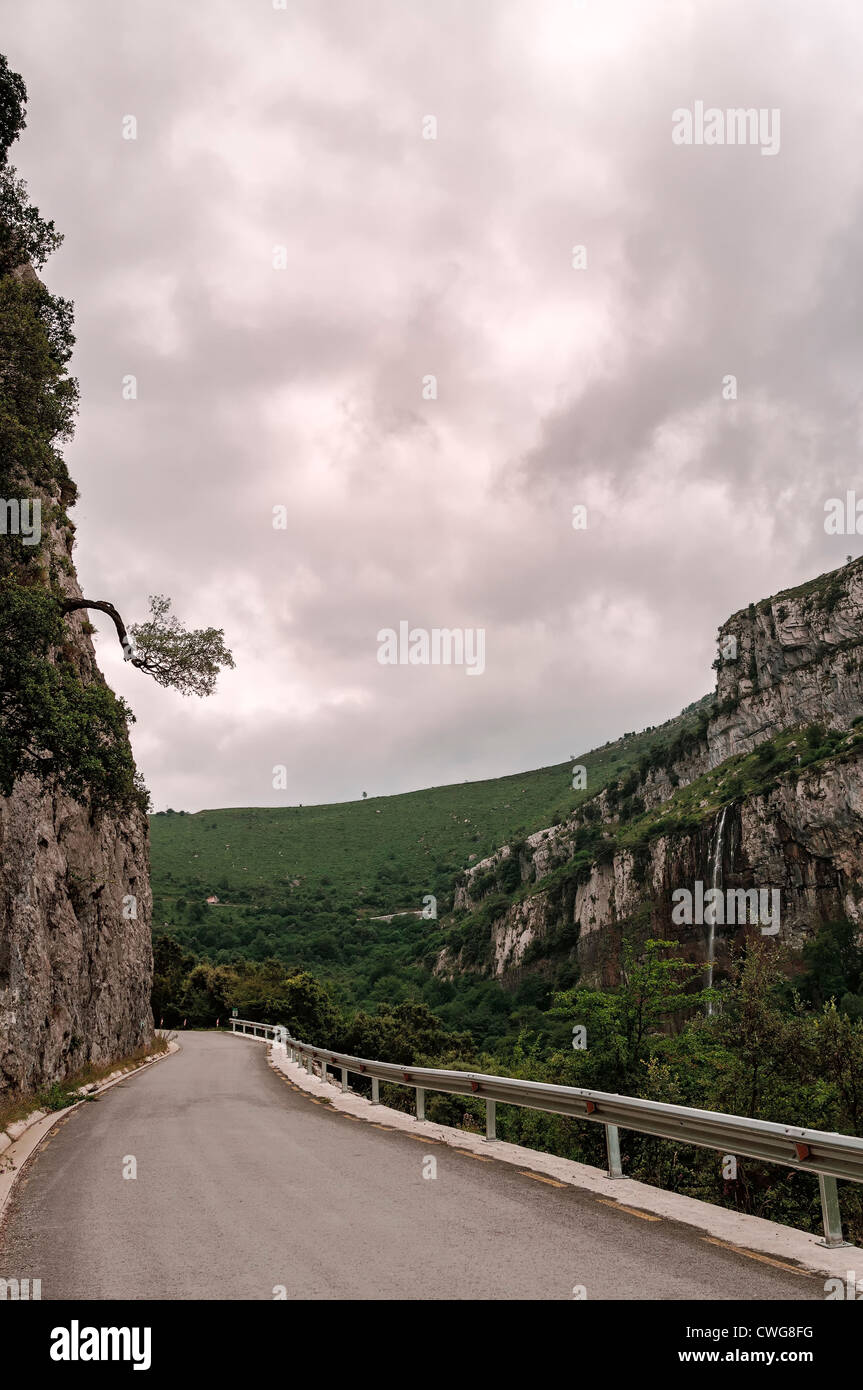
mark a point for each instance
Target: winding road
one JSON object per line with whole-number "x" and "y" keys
{"x": 248, "y": 1188}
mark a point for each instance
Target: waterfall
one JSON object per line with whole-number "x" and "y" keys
{"x": 715, "y": 877}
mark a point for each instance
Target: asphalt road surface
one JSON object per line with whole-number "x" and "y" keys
{"x": 246, "y": 1186}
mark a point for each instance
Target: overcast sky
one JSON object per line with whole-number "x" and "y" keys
{"x": 407, "y": 257}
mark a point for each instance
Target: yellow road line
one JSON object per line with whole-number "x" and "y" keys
{"x": 470, "y": 1154}
{"x": 753, "y": 1255}
{"x": 540, "y": 1177}
{"x": 631, "y": 1211}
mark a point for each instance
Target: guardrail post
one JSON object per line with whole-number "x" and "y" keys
{"x": 490, "y": 1114}
{"x": 723, "y": 1133}
{"x": 830, "y": 1212}
{"x": 612, "y": 1146}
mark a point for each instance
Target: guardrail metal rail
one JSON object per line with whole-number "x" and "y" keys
{"x": 830, "y": 1156}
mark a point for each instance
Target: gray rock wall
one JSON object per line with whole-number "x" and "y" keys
{"x": 799, "y": 661}
{"x": 76, "y": 965}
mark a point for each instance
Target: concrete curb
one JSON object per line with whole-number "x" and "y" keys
{"x": 762, "y": 1238}
{"x": 25, "y": 1136}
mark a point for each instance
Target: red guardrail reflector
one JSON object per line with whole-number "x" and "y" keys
{"x": 803, "y": 1151}
{"x": 591, "y": 1106}
{"x": 406, "y": 1075}
{"x": 474, "y": 1085}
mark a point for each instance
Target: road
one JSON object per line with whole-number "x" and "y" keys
{"x": 245, "y": 1186}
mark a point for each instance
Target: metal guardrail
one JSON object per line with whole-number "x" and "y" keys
{"x": 829, "y": 1156}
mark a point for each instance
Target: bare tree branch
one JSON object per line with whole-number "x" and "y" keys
{"x": 73, "y": 605}
{"x": 185, "y": 661}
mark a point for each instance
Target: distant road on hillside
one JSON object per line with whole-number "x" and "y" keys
{"x": 245, "y": 1186}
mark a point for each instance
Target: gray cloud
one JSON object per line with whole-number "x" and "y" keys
{"x": 408, "y": 257}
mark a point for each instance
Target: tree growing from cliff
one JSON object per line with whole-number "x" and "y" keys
{"x": 186, "y": 661}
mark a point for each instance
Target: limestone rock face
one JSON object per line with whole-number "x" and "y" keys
{"x": 804, "y": 839}
{"x": 76, "y": 960}
{"x": 75, "y": 964}
{"x": 797, "y": 660}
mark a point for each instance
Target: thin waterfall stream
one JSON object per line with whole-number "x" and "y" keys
{"x": 710, "y": 915}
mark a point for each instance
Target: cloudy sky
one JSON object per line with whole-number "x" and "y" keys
{"x": 295, "y": 379}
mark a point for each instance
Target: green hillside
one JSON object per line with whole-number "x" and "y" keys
{"x": 304, "y": 883}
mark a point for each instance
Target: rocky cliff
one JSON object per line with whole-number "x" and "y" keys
{"x": 764, "y": 792}
{"x": 798, "y": 660}
{"x": 75, "y": 953}
{"x": 75, "y": 949}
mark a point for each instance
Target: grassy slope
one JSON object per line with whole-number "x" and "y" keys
{"x": 416, "y": 839}
{"x": 353, "y": 863}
